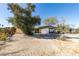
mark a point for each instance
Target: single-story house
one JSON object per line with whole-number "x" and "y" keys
{"x": 45, "y": 29}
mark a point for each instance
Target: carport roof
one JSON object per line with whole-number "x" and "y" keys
{"x": 41, "y": 27}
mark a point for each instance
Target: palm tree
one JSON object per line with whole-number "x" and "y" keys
{"x": 2, "y": 25}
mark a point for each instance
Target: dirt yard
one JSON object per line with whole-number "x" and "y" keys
{"x": 30, "y": 46}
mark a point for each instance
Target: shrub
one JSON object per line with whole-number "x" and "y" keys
{"x": 10, "y": 31}
{"x": 61, "y": 37}
{"x": 3, "y": 37}
{"x": 6, "y": 32}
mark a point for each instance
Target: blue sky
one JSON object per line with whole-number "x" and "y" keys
{"x": 69, "y": 11}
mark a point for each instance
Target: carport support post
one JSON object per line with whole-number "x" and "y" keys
{"x": 49, "y": 30}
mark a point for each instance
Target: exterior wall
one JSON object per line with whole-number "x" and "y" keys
{"x": 45, "y": 31}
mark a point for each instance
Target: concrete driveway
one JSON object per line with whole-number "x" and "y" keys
{"x": 73, "y": 37}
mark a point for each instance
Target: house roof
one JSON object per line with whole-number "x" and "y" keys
{"x": 41, "y": 27}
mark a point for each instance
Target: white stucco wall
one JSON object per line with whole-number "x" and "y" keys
{"x": 45, "y": 31}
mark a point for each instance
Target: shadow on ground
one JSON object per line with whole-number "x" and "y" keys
{"x": 12, "y": 53}
{"x": 72, "y": 37}
{"x": 46, "y": 36}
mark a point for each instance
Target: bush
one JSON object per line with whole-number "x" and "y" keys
{"x": 61, "y": 37}
{"x": 6, "y": 32}
{"x": 10, "y": 31}
{"x": 3, "y": 37}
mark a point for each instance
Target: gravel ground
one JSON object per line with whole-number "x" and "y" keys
{"x": 29, "y": 46}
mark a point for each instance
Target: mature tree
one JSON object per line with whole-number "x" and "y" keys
{"x": 23, "y": 18}
{"x": 51, "y": 21}
{"x": 63, "y": 26}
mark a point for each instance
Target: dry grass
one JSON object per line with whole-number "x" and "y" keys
{"x": 29, "y": 46}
